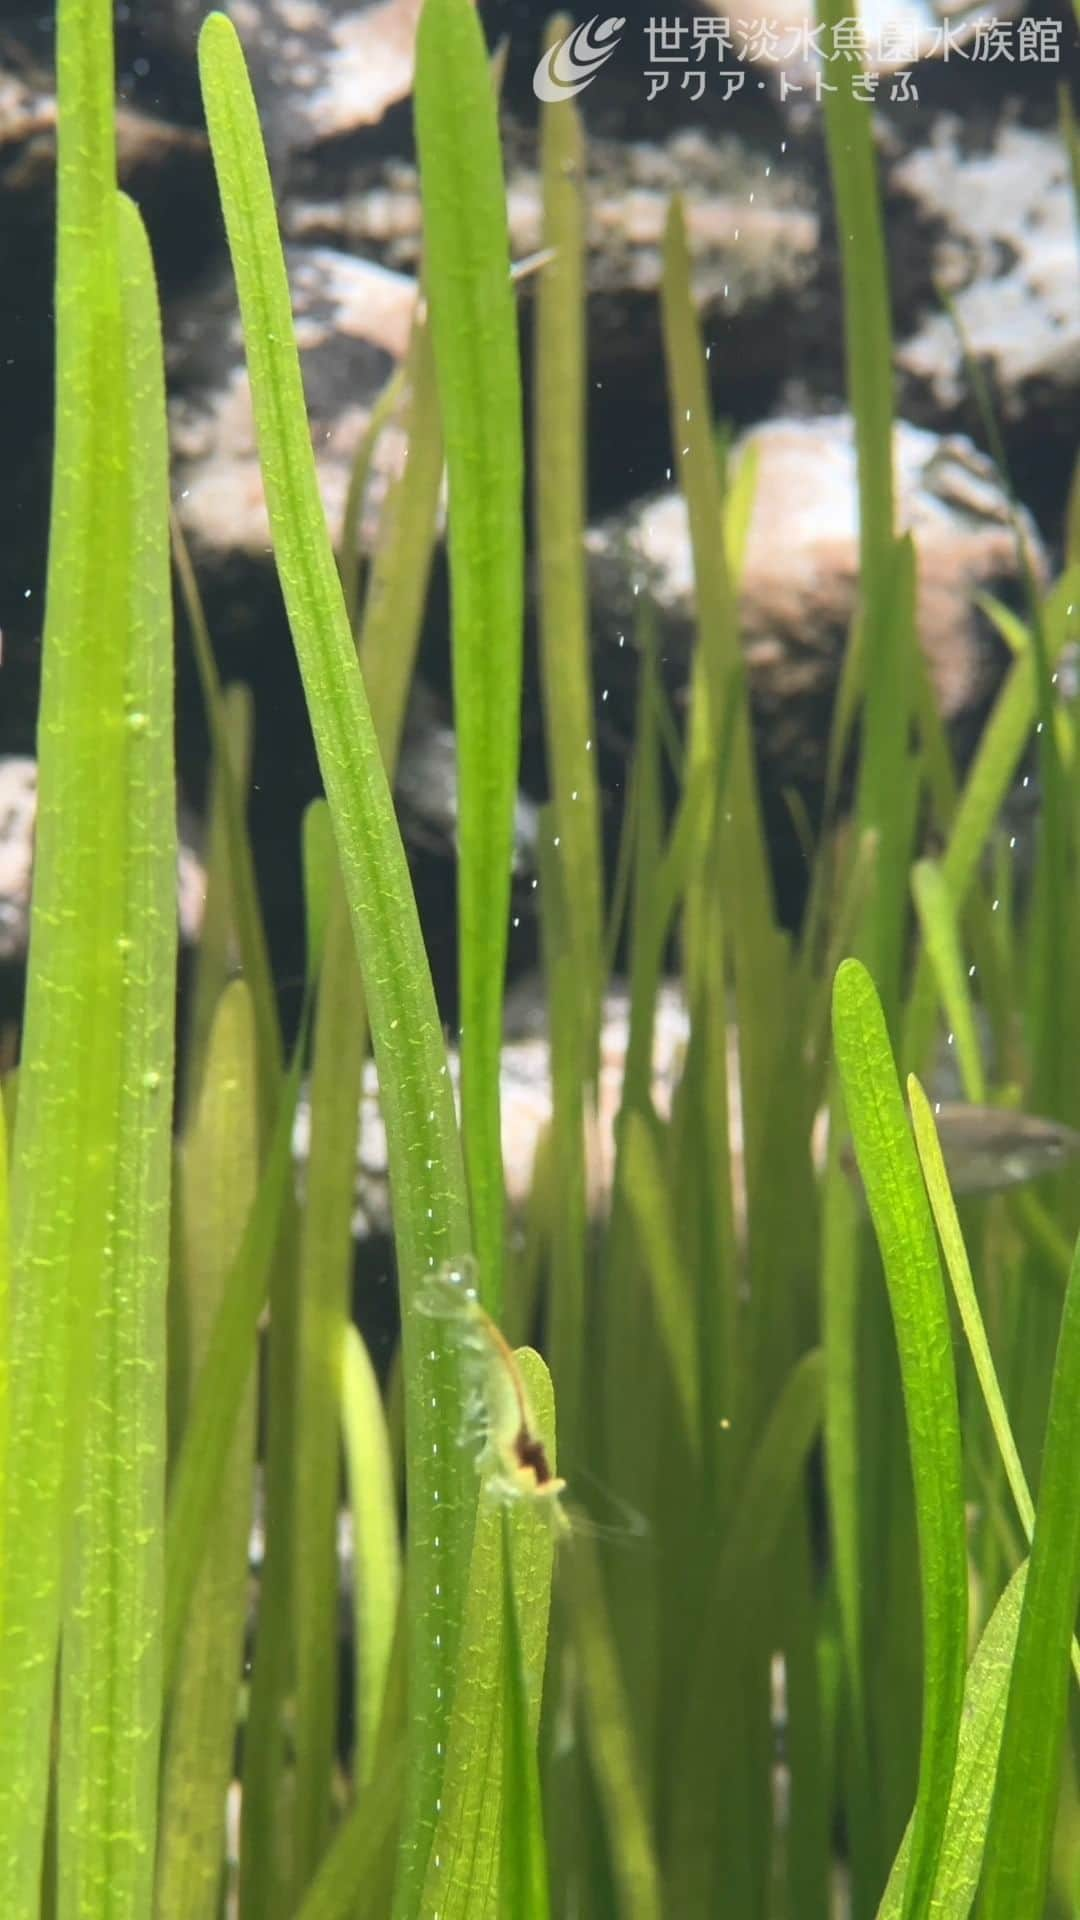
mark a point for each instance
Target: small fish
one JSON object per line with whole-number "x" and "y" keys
{"x": 989, "y": 1149}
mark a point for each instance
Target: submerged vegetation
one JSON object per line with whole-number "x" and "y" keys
{"x": 797, "y": 1640}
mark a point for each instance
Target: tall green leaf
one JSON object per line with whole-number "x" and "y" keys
{"x": 985, "y": 1694}
{"x": 565, "y": 655}
{"x": 111, "y": 1695}
{"x": 219, "y": 1162}
{"x": 84, "y": 1133}
{"x": 1025, "y": 1801}
{"x": 474, "y": 332}
{"x": 463, "y": 1874}
{"x": 426, "y": 1174}
{"x": 902, "y": 1222}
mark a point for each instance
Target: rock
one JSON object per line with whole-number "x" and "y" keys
{"x": 352, "y": 322}
{"x": 321, "y": 69}
{"x": 799, "y": 578}
{"x": 18, "y": 812}
{"x": 1005, "y": 248}
{"x": 147, "y": 146}
{"x": 426, "y": 783}
{"x": 892, "y": 37}
{"x": 18, "y": 817}
{"x": 752, "y": 230}
{"x": 526, "y": 1101}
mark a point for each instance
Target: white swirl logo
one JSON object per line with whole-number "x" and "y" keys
{"x": 568, "y": 66}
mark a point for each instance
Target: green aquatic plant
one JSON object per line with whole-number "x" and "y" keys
{"x": 759, "y": 1689}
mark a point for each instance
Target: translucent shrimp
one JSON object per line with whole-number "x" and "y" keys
{"x": 511, "y": 1454}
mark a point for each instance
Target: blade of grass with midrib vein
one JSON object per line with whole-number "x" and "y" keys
{"x": 523, "y": 1874}
{"x": 565, "y": 658}
{"x": 1020, "y": 1831}
{"x": 266, "y": 1840}
{"x": 218, "y": 1172}
{"x": 985, "y": 1694}
{"x": 69, "y": 1126}
{"x": 994, "y": 766}
{"x": 326, "y": 1259}
{"x": 426, "y": 1174}
{"x": 474, "y": 333}
{"x": 245, "y": 905}
{"x": 746, "y": 887}
{"x": 111, "y": 1669}
{"x": 394, "y": 603}
{"x": 905, "y": 1232}
{"x": 464, "y": 1871}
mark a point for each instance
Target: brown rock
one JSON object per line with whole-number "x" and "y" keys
{"x": 1005, "y": 221}
{"x": 18, "y": 817}
{"x": 800, "y": 575}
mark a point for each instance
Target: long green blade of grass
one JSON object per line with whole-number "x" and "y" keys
{"x": 1020, "y": 1832}
{"x": 382, "y": 413}
{"x": 73, "y": 1131}
{"x": 394, "y": 604}
{"x": 474, "y": 331}
{"x": 991, "y": 772}
{"x": 376, "y": 1547}
{"x": 905, "y": 1233}
{"x": 867, "y": 325}
{"x": 464, "y": 1870}
{"x": 756, "y": 945}
{"x": 111, "y": 1693}
{"x": 523, "y": 1877}
{"x": 565, "y": 657}
{"x": 353, "y": 1882}
{"x": 266, "y": 1840}
{"x": 245, "y": 910}
{"x": 326, "y": 1263}
{"x": 839, "y": 1333}
{"x": 427, "y": 1179}
{"x": 650, "y": 1208}
{"x": 229, "y": 1359}
{"x": 567, "y": 1223}
{"x": 732, "y": 1596}
{"x": 956, "y": 1259}
{"x": 942, "y": 942}
{"x": 615, "y": 1764}
{"x": 218, "y": 1174}
{"x": 217, "y": 951}
{"x": 985, "y": 1694}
